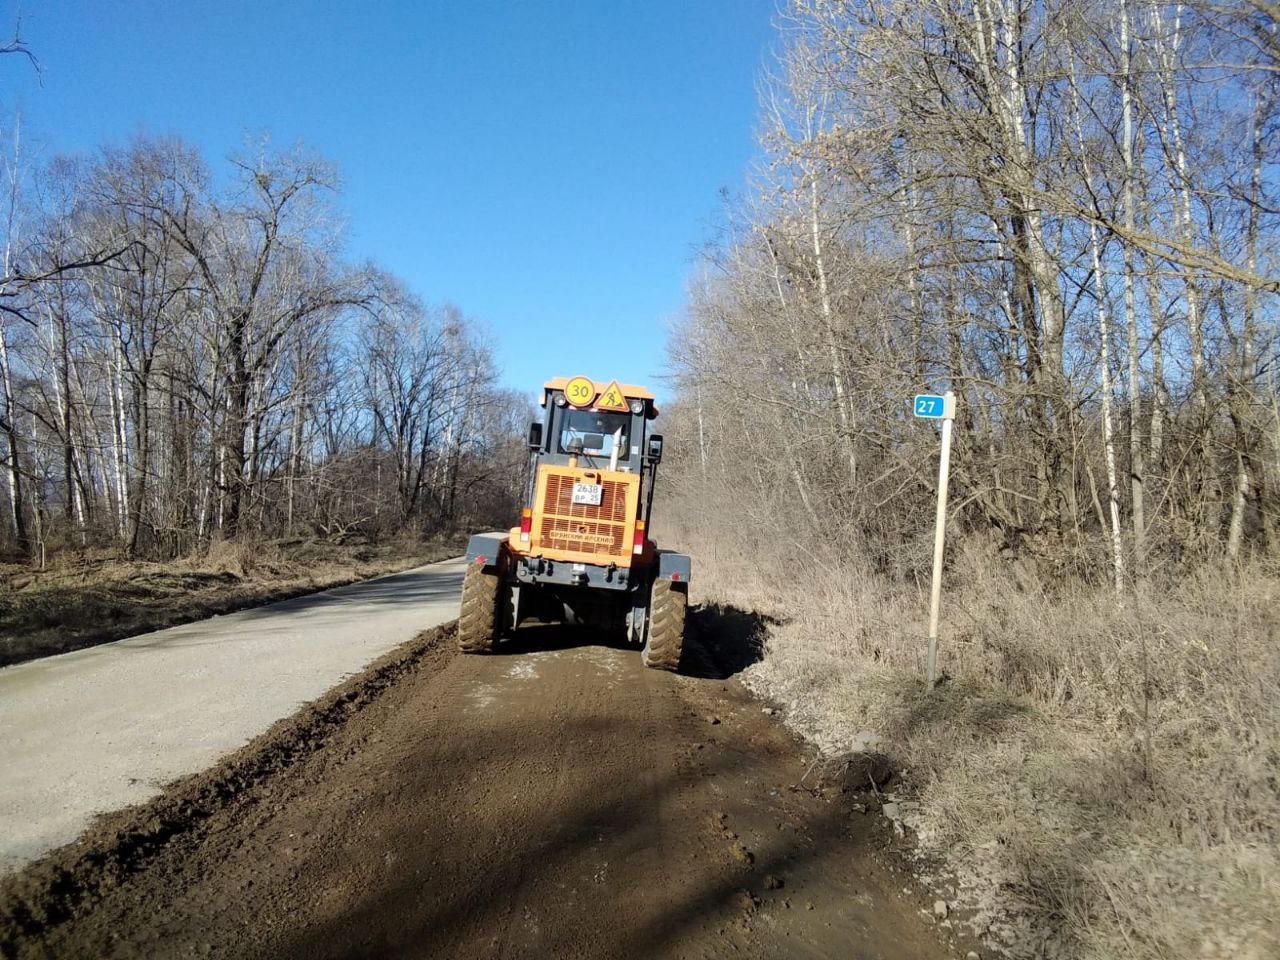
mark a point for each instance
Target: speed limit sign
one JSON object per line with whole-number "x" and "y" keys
{"x": 580, "y": 391}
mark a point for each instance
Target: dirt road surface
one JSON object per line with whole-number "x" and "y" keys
{"x": 555, "y": 800}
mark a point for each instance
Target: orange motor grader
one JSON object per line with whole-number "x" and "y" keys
{"x": 582, "y": 553}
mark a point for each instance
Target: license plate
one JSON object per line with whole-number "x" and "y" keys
{"x": 587, "y": 493}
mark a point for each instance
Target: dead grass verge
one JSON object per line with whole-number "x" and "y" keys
{"x": 1095, "y": 778}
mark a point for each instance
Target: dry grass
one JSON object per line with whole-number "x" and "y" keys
{"x": 84, "y": 599}
{"x": 1095, "y": 779}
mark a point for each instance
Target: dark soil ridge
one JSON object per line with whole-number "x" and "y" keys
{"x": 66, "y": 882}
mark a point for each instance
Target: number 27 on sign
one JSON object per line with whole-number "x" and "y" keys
{"x": 930, "y": 405}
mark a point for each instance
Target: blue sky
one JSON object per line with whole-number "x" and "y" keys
{"x": 549, "y": 166}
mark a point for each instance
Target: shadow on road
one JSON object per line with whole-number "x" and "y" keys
{"x": 720, "y": 641}
{"x": 535, "y": 637}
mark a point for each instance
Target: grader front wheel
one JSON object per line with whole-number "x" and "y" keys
{"x": 478, "y": 615}
{"x": 665, "y": 637}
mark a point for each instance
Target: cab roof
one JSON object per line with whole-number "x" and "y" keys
{"x": 629, "y": 390}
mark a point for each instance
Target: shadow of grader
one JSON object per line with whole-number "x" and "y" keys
{"x": 719, "y": 642}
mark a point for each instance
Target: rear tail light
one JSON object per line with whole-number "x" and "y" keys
{"x": 526, "y": 524}
{"x": 637, "y": 544}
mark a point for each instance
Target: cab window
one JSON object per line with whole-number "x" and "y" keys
{"x": 595, "y": 434}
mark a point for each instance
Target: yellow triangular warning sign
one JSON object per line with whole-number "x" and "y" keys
{"x": 612, "y": 399}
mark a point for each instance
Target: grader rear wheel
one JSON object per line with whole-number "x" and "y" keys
{"x": 478, "y": 615}
{"x": 666, "y": 625}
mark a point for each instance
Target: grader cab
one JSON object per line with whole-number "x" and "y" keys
{"x": 582, "y": 553}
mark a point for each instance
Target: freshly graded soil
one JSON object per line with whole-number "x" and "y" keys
{"x": 553, "y": 800}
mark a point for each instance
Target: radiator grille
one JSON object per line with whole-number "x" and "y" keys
{"x": 583, "y": 527}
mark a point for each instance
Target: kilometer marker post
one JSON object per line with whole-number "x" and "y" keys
{"x": 930, "y": 406}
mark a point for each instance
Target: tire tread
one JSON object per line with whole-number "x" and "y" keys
{"x": 665, "y": 641}
{"x": 477, "y": 616}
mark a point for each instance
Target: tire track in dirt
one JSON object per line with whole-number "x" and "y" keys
{"x": 555, "y": 799}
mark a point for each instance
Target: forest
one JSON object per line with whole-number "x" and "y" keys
{"x": 188, "y": 358}
{"x": 1067, "y": 214}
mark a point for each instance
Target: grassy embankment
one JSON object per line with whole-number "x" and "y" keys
{"x": 85, "y": 599}
{"x": 1096, "y": 777}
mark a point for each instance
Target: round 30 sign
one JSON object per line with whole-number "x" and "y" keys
{"x": 580, "y": 391}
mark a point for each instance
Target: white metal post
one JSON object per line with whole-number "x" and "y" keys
{"x": 940, "y": 526}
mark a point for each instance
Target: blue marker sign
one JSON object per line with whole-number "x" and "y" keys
{"x": 930, "y": 406}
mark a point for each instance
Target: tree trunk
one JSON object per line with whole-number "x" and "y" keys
{"x": 13, "y": 468}
{"x": 1104, "y": 353}
{"x": 1137, "y": 477}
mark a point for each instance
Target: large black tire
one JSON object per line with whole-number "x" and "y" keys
{"x": 478, "y": 615}
{"x": 665, "y": 636}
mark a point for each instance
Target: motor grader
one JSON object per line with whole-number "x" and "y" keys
{"x": 583, "y": 553}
